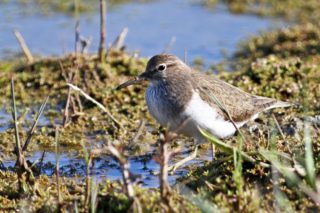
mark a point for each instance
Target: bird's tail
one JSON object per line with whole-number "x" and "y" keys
{"x": 270, "y": 103}
{"x": 278, "y": 104}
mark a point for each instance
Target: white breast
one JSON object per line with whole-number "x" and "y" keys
{"x": 197, "y": 113}
{"x": 155, "y": 98}
{"x": 203, "y": 115}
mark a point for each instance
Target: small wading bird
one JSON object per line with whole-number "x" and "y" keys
{"x": 183, "y": 100}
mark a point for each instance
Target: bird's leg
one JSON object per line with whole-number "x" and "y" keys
{"x": 174, "y": 167}
{"x": 213, "y": 151}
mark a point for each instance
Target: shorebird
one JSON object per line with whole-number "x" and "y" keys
{"x": 183, "y": 99}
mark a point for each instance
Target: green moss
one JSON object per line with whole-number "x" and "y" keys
{"x": 282, "y": 64}
{"x": 297, "y": 41}
{"x": 285, "y": 79}
{"x": 292, "y": 10}
{"x": 110, "y": 198}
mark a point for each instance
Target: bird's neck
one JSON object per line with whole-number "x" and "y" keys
{"x": 176, "y": 92}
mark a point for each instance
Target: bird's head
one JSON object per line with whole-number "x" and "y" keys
{"x": 159, "y": 67}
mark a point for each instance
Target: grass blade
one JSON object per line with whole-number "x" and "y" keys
{"x": 33, "y": 128}
{"x": 309, "y": 160}
{"x": 229, "y": 149}
{"x": 16, "y": 128}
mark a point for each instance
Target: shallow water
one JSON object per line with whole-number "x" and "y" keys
{"x": 5, "y": 119}
{"x": 152, "y": 26}
{"x": 203, "y": 32}
{"x": 104, "y": 167}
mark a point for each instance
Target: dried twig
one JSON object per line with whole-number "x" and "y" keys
{"x": 88, "y": 182}
{"x": 85, "y": 43}
{"x": 24, "y": 46}
{"x": 21, "y": 164}
{"x": 282, "y": 135}
{"x": 41, "y": 161}
{"x": 169, "y": 45}
{"x": 90, "y": 194}
{"x": 138, "y": 132}
{"x": 128, "y": 184}
{"x": 97, "y": 103}
{"x": 119, "y": 41}
{"x": 103, "y": 9}
{"x": 185, "y": 56}
{"x": 165, "y": 155}
{"x": 70, "y": 78}
{"x": 126, "y": 176}
{"x": 163, "y": 160}
{"x": 77, "y": 39}
{"x": 57, "y": 167}
{"x": 66, "y": 110}
{"x": 16, "y": 129}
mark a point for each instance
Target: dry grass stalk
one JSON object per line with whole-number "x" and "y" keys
{"x": 33, "y": 128}
{"x": 165, "y": 155}
{"x": 88, "y": 183}
{"x": 77, "y": 39}
{"x": 97, "y": 103}
{"x": 24, "y": 47}
{"x": 118, "y": 43}
{"x": 124, "y": 164}
{"x": 126, "y": 174}
{"x": 58, "y": 168}
{"x": 283, "y": 136}
{"x": 69, "y": 79}
{"x": 21, "y": 163}
{"x": 41, "y": 161}
{"x": 16, "y": 129}
{"x": 163, "y": 160}
{"x": 103, "y": 9}
{"x": 85, "y": 43}
{"x": 138, "y": 132}
{"x": 169, "y": 46}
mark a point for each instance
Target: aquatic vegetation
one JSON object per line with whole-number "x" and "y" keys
{"x": 296, "y": 41}
{"x": 214, "y": 182}
{"x": 292, "y": 10}
{"x": 274, "y": 165}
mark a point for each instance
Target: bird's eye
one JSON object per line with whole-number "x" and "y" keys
{"x": 162, "y": 67}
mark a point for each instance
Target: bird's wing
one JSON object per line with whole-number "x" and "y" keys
{"x": 240, "y": 105}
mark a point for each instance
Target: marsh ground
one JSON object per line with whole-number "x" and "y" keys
{"x": 282, "y": 63}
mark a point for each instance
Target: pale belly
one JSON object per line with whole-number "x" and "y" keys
{"x": 159, "y": 107}
{"x": 196, "y": 114}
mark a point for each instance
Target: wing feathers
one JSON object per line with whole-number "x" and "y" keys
{"x": 241, "y": 105}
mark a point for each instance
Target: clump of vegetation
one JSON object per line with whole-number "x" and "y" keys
{"x": 277, "y": 160}
{"x": 283, "y": 64}
{"x": 297, "y": 41}
{"x": 292, "y": 10}
{"x": 109, "y": 196}
{"x": 50, "y": 76}
{"x": 288, "y": 79}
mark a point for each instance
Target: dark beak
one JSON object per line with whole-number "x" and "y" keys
{"x": 136, "y": 80}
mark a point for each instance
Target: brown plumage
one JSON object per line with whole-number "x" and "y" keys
{"x": 241, "y": 105}
{"x": 184, "y": 99}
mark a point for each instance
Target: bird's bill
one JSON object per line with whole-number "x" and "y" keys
{"x": 136, "y": 80}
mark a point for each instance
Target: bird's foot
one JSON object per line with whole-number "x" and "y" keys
{"x": 177, "y": 165}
